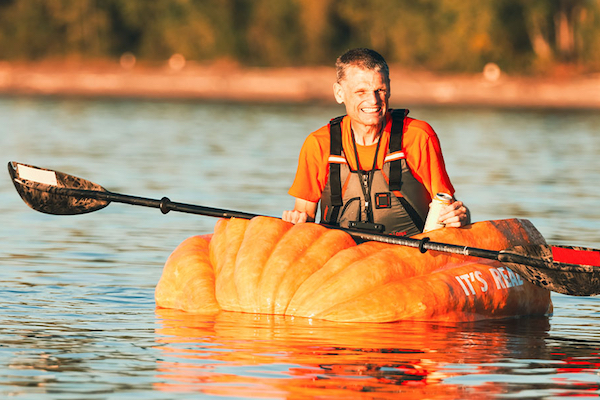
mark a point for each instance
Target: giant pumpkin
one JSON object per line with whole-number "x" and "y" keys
{"x": 269, "y": 266}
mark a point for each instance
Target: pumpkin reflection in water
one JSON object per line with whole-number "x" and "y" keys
{"x": 253, "y": 355}
{"x": 269, "y": 266}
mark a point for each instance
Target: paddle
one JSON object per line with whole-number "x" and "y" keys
{"x": 564, "y": 269}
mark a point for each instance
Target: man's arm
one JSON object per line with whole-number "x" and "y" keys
{"x": 304, "y": 211}
{"x": 431, "y": 169}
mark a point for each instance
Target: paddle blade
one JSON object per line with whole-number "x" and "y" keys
{"x": 52, "y": 192}
{"x": 563, "y": 269}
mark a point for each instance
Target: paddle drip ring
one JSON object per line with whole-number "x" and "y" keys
{"x": 422, "y": 242}
{"x": 164, "y": 205}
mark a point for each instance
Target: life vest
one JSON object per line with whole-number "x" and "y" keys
{"x": 397, "y": 202}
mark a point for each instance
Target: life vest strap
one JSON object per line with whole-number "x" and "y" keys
{"x": 396, "y": 146}
{"x": 335, "y": 149}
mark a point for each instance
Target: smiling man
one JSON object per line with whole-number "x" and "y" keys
{"x": 374, "y": 168}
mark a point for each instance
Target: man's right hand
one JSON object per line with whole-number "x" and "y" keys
{"x": 304, "y": 211}
{"x": 295, "y": 217}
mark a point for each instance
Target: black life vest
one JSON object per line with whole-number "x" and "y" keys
{"x": 384, "y": 211}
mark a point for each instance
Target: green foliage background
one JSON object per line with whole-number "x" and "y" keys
{"x": 438, "y": 35}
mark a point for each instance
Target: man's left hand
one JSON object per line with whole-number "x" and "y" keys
{"x": 455, "y": 215}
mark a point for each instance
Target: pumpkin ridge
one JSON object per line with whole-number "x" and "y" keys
{"x": 225, "y": 289}
{"x": 260, "y": 239}
{"x": 315, "y": 257}
{"x": 216, "y": 247}
{"x": 354, "y": 280}
{"x": 312, "y": 289}
{"x": 175, "y": 289}
{"x": 299, "y": 236}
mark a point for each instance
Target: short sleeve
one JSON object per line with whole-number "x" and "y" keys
{"x": 425, "y": 159}
{"x": 311, "y": 175}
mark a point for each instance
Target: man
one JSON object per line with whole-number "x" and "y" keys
{"x": 374, "y": 168}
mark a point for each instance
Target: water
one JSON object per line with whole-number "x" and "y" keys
{"x": 78, "y": 317}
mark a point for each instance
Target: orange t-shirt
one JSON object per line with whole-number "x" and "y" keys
{"x": 419, "y": 142}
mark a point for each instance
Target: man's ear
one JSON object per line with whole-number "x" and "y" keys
{"x": 338, "y": 93}
{"x": 389, "y": 93}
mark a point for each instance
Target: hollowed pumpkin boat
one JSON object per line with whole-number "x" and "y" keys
{"x": 268, "y": 266}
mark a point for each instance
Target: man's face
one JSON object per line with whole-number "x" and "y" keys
{"x": 365, "y": 93}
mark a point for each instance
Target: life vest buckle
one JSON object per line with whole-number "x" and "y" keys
{"x": 383, "y": 200}
{"x": 366, "y": 226}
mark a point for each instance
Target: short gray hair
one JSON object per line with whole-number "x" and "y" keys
{"x": 363, "y": 58}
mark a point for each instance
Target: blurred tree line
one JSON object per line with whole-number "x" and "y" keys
{"x": 439, "y": 35}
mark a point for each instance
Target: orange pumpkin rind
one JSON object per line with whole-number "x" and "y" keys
{"x": 269, "y": 266}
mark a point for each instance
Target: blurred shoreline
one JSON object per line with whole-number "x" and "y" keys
{"x": 291, "y": 85}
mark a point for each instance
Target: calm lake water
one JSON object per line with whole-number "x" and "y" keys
{"x": 78, "y": 318}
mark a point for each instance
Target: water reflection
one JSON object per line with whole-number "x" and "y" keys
{"x": 233, "y": 354}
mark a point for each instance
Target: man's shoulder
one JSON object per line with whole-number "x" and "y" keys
{"x": 321, "y": 134}
{"x": 317, "y": 143}
{"x": 418, "y": 127}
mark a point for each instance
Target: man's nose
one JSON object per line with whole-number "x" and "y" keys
{"x": 374, "y": 97}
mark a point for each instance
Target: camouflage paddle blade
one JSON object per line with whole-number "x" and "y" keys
{"x": 563, "y": 269}
{"x": 49, "y": 192}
